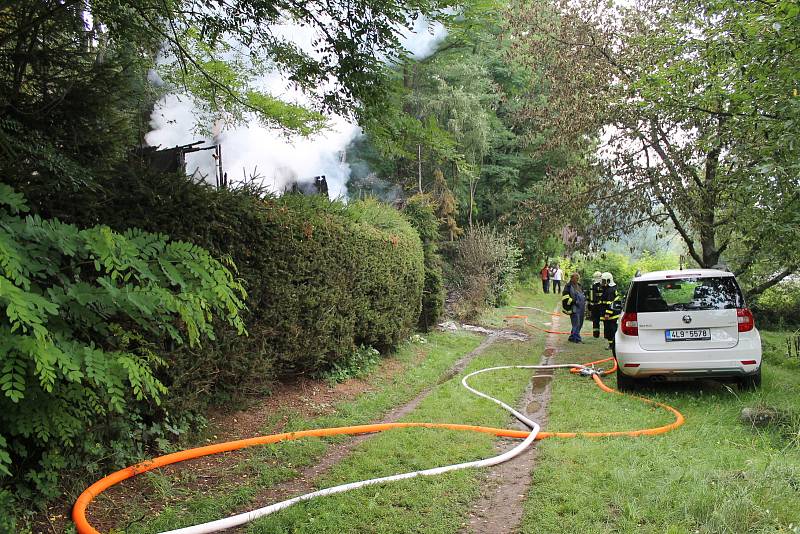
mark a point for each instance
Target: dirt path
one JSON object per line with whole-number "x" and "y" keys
{"x": 499, "y": 509}
{"x": 305, "y": 481}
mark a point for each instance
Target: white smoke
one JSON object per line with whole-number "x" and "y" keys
{"x": 266, "y": 153}
{"x": 423, "y": 38}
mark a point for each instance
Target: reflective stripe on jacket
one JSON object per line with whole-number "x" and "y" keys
{"x": 566, "y": 301}
{"x": 610, "y": 300}
{"x": 596, "y": 294}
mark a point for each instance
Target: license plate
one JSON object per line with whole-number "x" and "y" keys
{"x": 688, "y": 334}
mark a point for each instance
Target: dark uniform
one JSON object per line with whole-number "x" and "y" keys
{"x": 596, "y": 307}
{"x": 573, "y": 303}
{"x": 611, "y": 307}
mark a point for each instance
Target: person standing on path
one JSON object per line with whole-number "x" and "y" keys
{"x": 545, "y": 274}
{"x": 595, "y": 305}
{"x": 557, "y": 274}
{"x": 611, "y": 307}
{"x": 573, "y": 302}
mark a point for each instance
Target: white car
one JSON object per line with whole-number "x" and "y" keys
{"x": 687, "y": 324}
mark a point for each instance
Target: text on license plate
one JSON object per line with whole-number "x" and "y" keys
{"x": 688, "y": 334}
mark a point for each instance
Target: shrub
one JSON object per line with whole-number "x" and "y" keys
{"x": 617, "y": 264}
{"x": 356, "y": 365}
{"x": 779, "y": 306}
{"x": 84, "y": 316}
{"x": 388, "y": 274}
{"x": 322, "y": 277}
{"x": 420, "y": 210}
{"x": 485, "y": 263}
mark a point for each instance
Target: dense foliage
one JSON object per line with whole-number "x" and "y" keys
{"x": 778, "y": 306}
{"x": 420, "y": 212}
{"x": 692, "y": 105}
{"x": 85, "y": 317}
{"x": 210, "y": 52}
{"x": 322, "y": 277}
{"x": 453, "y": 131}
{"x": 483, "y": 268}
{"x": 621, "y": 266}
{"x": 326, "y": 282}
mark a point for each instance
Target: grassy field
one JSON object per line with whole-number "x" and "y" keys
{"x": 264, "y": 466}
{"x": 435, "y": 504}
{"x": 714, "y": 474}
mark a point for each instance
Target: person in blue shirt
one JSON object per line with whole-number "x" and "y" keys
{"x": 573, "y": 302}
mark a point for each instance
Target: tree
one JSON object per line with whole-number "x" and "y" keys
{"x": 692, "y": 106}
{"x": 453, "y": 122}
{"x": 75, "y": 89}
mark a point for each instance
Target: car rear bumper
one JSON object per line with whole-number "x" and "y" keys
{"x": 743, "y": 359}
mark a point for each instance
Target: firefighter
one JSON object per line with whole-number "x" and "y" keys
{"x": 595, "y": 306}
{"x": 610, "y": 301}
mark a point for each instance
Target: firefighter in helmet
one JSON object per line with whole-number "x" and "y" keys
{"x": 610, "y": 301}
{"x": 595, "y": 306}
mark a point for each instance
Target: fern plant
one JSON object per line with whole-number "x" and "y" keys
{"x": 83, "y": 314}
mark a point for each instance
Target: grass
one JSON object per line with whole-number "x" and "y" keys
{"x": 437, "y": 504}
{"x": 265, "y": 466}
{"x": 523, "y": 295}
{"x": 432, "y": 504}
{"x": 714, "y": 474}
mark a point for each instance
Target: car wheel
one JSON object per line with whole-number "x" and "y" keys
{"x": 625, "y": 382}
{"x": 751, "y": 382}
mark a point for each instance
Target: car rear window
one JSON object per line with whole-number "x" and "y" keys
{"x": 679, "y": 294}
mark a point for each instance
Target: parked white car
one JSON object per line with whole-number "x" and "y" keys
{"x": 687, "y": 324}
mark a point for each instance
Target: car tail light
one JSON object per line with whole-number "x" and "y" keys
{"x": 749, "y": 362}
{"x": 630, "y": 324}
{"x": 745, "y": 319}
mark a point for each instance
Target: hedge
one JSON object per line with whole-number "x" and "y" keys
{"x": 421, "y": 213}
{"x": 84, "y": 317}
{"x": 322, "y": 277}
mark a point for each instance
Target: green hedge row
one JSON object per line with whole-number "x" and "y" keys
{"x": 779, "y": 306}
{"x": 421, "y": 212}
{"x": 322, "y": 280}
{"x": 322, "y": 277}
{"x": 86, "y": 316}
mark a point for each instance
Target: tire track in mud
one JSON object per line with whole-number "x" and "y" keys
{"x": 500, "y": 507}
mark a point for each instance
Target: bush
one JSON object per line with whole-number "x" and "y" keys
{"x": 322, "y": 277}
{"x": 84, "y": 317}
{"x": 388, "y": 274}
{"x": 420, "y": 210}
{"x": 356, "y": 365}
{"x": 485, "y": 263}
{"x": 779, "y": 306}
{"x": 617, "y": 264}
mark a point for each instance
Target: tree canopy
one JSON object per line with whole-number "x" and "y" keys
{"x": 691, "y": 106}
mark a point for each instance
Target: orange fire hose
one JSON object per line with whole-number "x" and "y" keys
{"x": 525, "y": 318}
{"x": 81, "y": 505}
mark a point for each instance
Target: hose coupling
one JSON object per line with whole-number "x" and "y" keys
{"x": 586, "y": 371}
